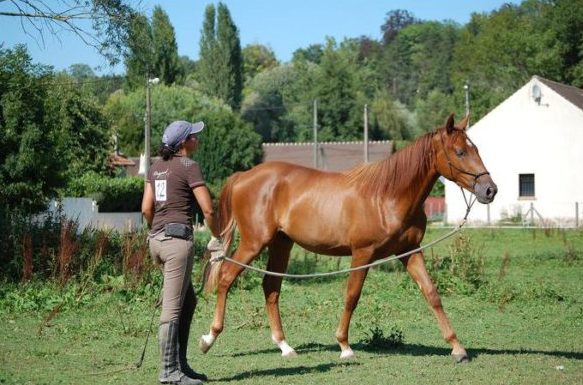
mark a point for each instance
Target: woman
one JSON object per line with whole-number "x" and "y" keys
{"x": 172, "y": 185}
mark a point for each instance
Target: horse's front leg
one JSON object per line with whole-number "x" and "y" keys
{"x": 228, "y": 273}
{"x": 279, "y": 251}
{"x": 416, "y": 267}
{"x": 353, "y": 290}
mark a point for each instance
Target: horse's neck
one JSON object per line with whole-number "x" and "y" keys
{"x": 412, "y": 193}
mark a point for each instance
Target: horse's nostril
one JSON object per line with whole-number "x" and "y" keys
{"x": 489, "y": 191}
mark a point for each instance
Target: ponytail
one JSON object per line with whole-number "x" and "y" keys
{"x": 166, "y": 152}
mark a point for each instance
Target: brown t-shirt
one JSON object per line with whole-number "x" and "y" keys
{"x": 173, "y": 181}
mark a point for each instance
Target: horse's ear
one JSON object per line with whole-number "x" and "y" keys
{"x": 449, "y": 125}
{"x": 464, "y": 124}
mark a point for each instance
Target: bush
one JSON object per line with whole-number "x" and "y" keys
{"x": 461, "y": 270}
{"x": 111, "y": 194}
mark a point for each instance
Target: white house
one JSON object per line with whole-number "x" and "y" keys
{"x": 532, "y": 144}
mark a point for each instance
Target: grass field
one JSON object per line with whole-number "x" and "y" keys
{"x": 523, "y": 325}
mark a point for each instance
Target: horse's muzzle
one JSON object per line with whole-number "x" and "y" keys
{"x": 485, "y": 189}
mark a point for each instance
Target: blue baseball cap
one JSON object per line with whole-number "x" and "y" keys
{"x": 178, "y": 131}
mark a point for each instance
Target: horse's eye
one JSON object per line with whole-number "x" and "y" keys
{"x": 459, "y": 152}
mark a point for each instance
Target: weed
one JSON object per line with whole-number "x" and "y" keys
{"x": 461, "y": 270}
{"x": 378, "y": 341}
{"x": 572, "y": 255}
{"x": 504, "y": 266}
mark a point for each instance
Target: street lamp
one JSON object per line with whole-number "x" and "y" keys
{"x": 148, "y": 124}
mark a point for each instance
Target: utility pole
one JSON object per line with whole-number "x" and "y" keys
{"x": 315, "y": 133}
{"x": 467, "y": 92}
{"x": 366, "y": 133}
{"x": 148, "y": 124}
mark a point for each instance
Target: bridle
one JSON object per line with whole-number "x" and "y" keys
{"x": 459, "y": 170}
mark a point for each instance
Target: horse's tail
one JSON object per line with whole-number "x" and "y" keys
{"x": 227, "y": 226}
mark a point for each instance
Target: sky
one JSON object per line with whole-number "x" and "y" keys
{"x": 282, "y": 25}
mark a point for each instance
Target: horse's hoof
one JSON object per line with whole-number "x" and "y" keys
{"x": 289, "y": 354}
{"x": 205, "y": 343}
{"x": 461, "y": 358}
{"x": 347, "y": 354}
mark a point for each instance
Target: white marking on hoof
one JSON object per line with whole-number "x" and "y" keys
{"x": 286, "y": 350}
{"x": 206, "y": 342}
{"x": 347, "y": 354}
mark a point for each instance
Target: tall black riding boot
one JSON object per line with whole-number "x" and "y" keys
{"x": 186, "y": 315}
{"x": 170, "y": 372}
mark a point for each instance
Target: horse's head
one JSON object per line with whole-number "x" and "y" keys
{"x": 458, "y": 160}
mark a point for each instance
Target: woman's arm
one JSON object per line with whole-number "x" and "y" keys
{"x": 148, "y": 203}
{"x": 203, "y": 197}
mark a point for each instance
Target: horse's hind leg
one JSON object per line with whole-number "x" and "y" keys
{"x": 279, "y": 251}
{"x": 246, "y": 253}
{"x": 416, "y": 268}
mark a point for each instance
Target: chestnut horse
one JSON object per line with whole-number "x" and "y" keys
{"x": 369, "y": 212}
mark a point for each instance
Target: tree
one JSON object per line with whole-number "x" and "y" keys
{"x": 498, "y": 53}
{"x": 110, "y": 21}
{"x": 334, "y": 89}
{"x": 29, "y": 173}
{"x": 221, "y": 62}
{"x": 312, "y": 54}
{"x": 256, "y": 59}
{"x": 395, "y": 21}
{"x": 265, "y": 107}
{"x": 50, "y": 131}
{"x": 167, "y": 64}
{"x": 566, "y": 24}
{"x": 81, "y": 71}
{"x": 228, "y": 144}
{"x": 389, "y": 118}
{"x": 139, "y": 58}
{"x": 84, "y": 137}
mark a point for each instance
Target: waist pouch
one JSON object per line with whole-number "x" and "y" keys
{"x": 178, "y": 230}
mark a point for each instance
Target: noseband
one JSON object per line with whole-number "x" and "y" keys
{"x": 453, "y": 166}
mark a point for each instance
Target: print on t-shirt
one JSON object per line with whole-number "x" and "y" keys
{"x": 160, "y": 189}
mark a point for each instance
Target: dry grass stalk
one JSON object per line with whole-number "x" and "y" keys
{"x": 68, "y": 246}
{"x": 134, "y": 256}
{"x": 27, "y": 257}
{"x": 504, "y": 266}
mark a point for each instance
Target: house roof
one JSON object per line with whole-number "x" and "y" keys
{"x": 332, "y": 156}
{"x": 571, "y": 93}
{"x": 120, "y": 160}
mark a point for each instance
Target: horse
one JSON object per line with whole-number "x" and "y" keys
{"x": 368, "y": 212}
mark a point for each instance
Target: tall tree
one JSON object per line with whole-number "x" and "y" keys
{"x": 395, "y": 21}
{"x": 335, "y": 91}
{"x": 166, "y": 60}
{"x": 221, "y": 62}
{"x": 139, "y": 60}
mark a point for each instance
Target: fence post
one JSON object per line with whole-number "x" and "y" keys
{"x": 488, "y": 209}
{"x": 576, "y": 214}
{"x": 531, "y": 214}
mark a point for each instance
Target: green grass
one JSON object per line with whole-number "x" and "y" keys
{"x": 518, "y": 328}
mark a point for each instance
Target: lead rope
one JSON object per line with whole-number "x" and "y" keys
{"x": 469, "y": 203}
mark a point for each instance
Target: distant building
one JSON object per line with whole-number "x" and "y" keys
{"x": 532, "y": 144}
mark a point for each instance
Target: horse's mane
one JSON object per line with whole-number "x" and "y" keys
{"x": 395, "y": 172}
